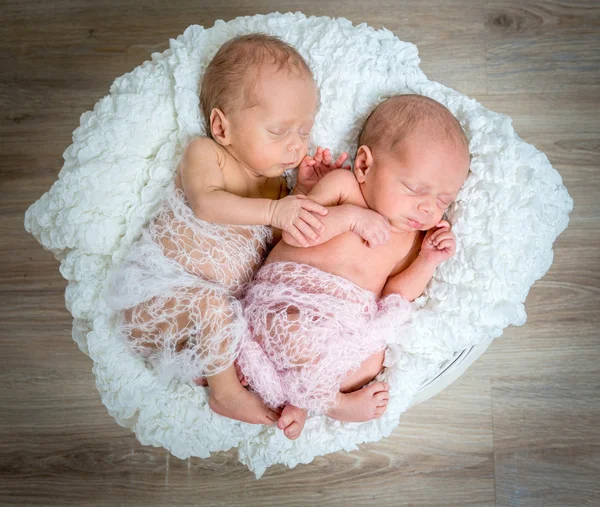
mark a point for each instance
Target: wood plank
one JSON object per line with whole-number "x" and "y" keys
{"x": 546, "y": 46}
{"x": 541, "y": 456}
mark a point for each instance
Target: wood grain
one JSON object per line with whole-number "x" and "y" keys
{"x": 519, "y": 428}
{"x": 543, "y": 45}
{"x": 543, "y": 457}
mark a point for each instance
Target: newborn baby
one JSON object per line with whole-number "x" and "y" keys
{"x": 317, "y": 327}
{"x": 177, "y": 288}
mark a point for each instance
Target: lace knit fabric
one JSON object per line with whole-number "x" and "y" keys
{"x": 177, "y": 290}
{"x": 310, "y": 329}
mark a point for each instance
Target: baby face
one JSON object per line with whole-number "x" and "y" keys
{"x": 413, "y": 188}
{"x": 272, "y": 136}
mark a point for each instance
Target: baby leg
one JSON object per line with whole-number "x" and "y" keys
{"x": 197, "y": 331}
{"x": 368, "y": 370}
{"x": 193, "y": 331}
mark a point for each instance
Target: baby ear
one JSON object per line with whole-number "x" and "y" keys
{"x": 219, "y": 127}
{"x": 363, "y": 163}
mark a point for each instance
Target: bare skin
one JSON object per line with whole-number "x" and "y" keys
{"x": 230, "y": 399}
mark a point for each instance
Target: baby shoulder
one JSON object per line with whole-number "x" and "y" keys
{"x": 201, "y": 168}
{"x": 344, "y": 182}
{"x": 202, "y": 153}
{"x": 341, "y": 177}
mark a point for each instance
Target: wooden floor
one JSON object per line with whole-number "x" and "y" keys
{"x": 520, "y": 428}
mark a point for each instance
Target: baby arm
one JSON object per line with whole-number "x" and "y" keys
{"x": 438, "y": 245}
{"x": 333, "y": 190}
{"x": 204, "y": 187}
{"x": 411, "y": 282}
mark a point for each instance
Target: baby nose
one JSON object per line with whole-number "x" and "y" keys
{"x": 295, "y": 143}
{"x": 427, "y": 204}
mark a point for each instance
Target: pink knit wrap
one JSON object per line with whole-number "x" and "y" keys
{"x": 308, "y": 330}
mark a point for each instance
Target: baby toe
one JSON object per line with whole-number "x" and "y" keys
{"x": 381, "y": 397}
{"x": 378, "y": 387}
{"x": 284, "y": 421}
{"x": 379, "y": 411}
{"x": 292, "y": 431}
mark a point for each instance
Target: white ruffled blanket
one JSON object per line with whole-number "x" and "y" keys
{"x": 124, "y": 154}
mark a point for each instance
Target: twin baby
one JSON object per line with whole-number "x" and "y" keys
{"x": 204, "y": 294}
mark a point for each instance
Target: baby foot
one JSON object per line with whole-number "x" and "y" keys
{"x": 292, "y": 421}
{"x": 363, "y": 405}
{"x": 241, "y": 404}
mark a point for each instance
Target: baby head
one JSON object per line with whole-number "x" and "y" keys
{"x": 259, "y": 101}
{"x": 412, "y": 159}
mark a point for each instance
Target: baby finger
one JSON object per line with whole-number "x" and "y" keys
{"x": 312, "y": 220}
{"x": 435, "y": 235}
{"x": 375, "y": 241}
{"x": 327, "y": 157}
{"x": 341, "y": 159}
{"x": 306, "y": 229}
{"x": 441, "y": 237}
{"x": 309, "y": 205}
{"x": 298, "y": 236}
{"x": 386, "y": 234}
{"x": 318, "y": 156}
{"x": 448, "y": 245}
{"x": 381, "y": 238}
{"x": 372, "y": 242}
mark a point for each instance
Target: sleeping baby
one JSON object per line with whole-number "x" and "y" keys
{"x": 319, "y": 317}
{"x": 177, "y": 290}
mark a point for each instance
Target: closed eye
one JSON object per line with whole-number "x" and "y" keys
{"x": 445, "y": 201}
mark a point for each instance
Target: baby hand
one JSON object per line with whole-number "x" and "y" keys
{"x": 296, "y": 214}
{"x": 374, "y": 228}
{"x": 439, "y": 243}
{"x": 312, "y": 169}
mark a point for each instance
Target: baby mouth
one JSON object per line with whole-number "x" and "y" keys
{"x": 414, "y": 224}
